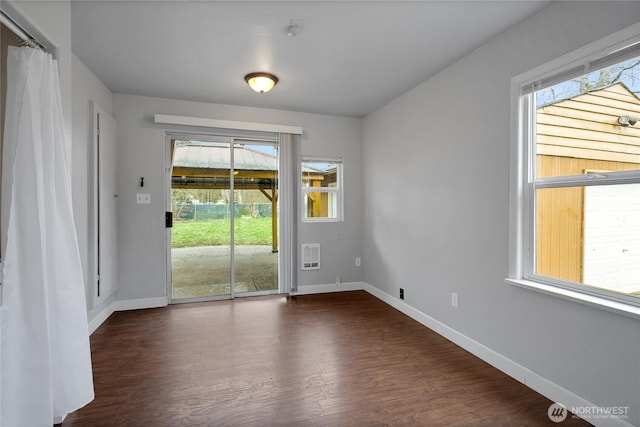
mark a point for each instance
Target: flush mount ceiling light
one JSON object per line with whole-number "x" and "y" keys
{"x": 261, "y": 82}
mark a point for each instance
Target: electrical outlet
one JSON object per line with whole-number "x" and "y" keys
{"x": 454, "y": 299}
{"x": 143, "y": 198}
{"x": 358, "y": 262}
{"x": 337, "y": 280}
{"x": 401, "y": 293}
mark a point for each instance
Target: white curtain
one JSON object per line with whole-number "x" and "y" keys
{"x": 288, "y": 183}
{"x": 45, "y": 361}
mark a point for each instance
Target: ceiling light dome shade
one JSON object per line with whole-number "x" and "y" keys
{"x": 261, "y": 82}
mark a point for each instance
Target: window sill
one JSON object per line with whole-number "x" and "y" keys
{"x": 590, "y": 300}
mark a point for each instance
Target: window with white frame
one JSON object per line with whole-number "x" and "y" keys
{"x": 321, "y": 189}
{"x": 578, "y": 162}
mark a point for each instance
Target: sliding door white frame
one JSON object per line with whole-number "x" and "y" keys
{"x": 287, "y": 222}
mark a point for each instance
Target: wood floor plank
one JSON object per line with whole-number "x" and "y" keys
{"x": 344, "y": 359}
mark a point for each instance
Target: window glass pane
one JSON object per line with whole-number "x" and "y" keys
{"x": 319, "y": 174}
{"x": 590, "y": 122}
{"x": 321, "y": 192}
{"x": 590, "y": 236}
{"x": 321, "y": 204}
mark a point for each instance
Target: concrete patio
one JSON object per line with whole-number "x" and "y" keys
{"x": 204, "y": 271}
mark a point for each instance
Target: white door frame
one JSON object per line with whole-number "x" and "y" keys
{"x": 231, "y": 140}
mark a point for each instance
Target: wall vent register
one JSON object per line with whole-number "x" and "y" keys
{"x": 311, "y": 256}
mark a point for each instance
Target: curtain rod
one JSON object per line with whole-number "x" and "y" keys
{"x": 26, "y": 38}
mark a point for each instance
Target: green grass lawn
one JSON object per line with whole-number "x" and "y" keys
{"x": 212, "y": 232}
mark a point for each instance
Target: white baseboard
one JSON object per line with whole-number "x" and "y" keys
{"x": 124, "y": 305}
{"x": 137, "y": 304}
{"x": 534, "y": 381}
{"x": 101, "y": 318}
{"x": 332, "y": 287}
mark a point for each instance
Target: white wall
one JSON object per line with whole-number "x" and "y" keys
{"x": 141, "y": 153}
{"x": 86, "y": 88}
{"x": 436, "y": 221}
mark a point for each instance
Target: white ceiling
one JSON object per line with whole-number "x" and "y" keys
{"x": 351, "y": 58}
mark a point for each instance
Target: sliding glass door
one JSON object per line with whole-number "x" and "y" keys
{"x": 224, "y": 203}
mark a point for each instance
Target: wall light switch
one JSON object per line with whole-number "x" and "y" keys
{"x": 144, "y": 198}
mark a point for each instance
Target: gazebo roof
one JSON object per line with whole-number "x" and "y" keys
{"x": 216, "y": 156}
{"x": 206, "y": 165}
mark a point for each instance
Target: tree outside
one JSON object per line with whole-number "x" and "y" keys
{"x": 627, "y": 72}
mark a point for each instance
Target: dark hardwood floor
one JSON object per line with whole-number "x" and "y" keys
{"x": 344, "y": 359}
